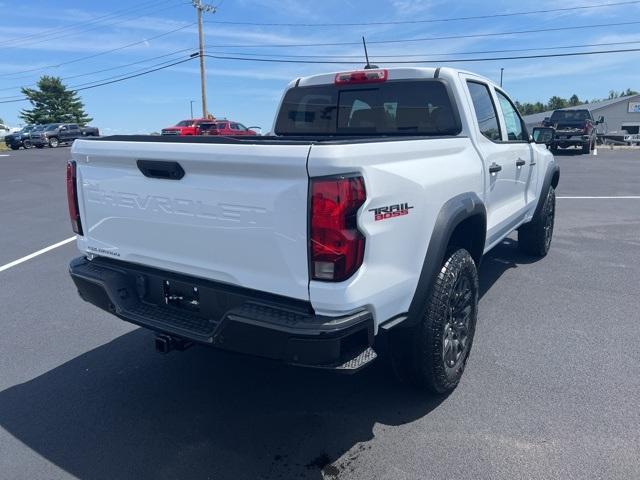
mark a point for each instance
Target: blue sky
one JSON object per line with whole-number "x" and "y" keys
{"x": 249, "y": 91}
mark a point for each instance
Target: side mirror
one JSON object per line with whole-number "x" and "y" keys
{"x": 600, "y": 120}
{"x": 543, "y": 135}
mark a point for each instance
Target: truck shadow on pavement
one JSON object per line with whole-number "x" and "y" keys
{"x": 122, "y": 411}
{"x": 501, "y": 258}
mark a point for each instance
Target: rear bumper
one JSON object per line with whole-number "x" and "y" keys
{"x": 564, "y": 140}
{"x": 227, "y": 317}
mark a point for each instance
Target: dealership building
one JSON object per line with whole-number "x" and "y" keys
{"x": 619, "y": 114}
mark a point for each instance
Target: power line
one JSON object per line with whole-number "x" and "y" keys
{"x": 434, "y": 20}
{"x": 488, "y": 59}
{"x": 430, "y": 39}
{"x": 87, "y": 57}
{"x": 37, "y": 41}
{"x": 407, "y": 55}
{"x": 93, "y": 21}
{"x": 327, "y": 56}
{"x": 117, "y": 67}
{"x": 440, "y": 60}
{"x": 119, "y": 79}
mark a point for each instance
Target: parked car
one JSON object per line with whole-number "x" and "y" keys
{"x": 362, "y": 220}
{"x": 227, "y": 128}
{"x": 56, "y": 134}
{"x": 204, "y": 126}
{"x": 33, "y": 133}
{"x": 574, "y": 128}
{"x": 188, "y": 127}
{"x": 20, "y": 138}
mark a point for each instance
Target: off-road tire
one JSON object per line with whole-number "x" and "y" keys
{"x": 419, "y": 353}
{"x": 26, "y": 144}
{"x": 54, "y": 142}
{"x": 534, "y": 238}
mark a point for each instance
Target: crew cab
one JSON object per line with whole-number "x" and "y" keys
{"x": 204, "y": 126}
{"x": 55, "y": 134}
{"x": 574, "y": 128}
{"x": 358, "y": 226}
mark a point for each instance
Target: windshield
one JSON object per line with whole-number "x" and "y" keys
{"x": 570, "y": 116}
{"x": 52, "y": 127}
{"x": 184, "y": 123}
{"x": 390, "y": 108}
{"x": 39, "y": 128}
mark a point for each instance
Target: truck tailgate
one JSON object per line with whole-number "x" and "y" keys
{"x": 238, "y": 215}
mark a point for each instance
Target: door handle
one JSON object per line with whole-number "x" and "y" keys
{"x": 520, "y": 163}
{"x": 495, "y": 168}
{"x": 161, "y": 169}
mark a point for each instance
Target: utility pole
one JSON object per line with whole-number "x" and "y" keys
{"x": 501, "y": 72}
{"x": 200, "y": 9}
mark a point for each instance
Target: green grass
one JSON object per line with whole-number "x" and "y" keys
{"x": 3, "y": 147}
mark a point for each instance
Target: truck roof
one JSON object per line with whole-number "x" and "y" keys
{"x": 394, "y": 73}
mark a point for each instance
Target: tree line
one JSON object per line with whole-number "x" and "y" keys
{"x": 556, "y": 103}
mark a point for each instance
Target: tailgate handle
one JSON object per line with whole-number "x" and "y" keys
{"x": 160, "y": 169}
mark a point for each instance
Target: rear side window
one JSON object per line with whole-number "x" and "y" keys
{"x": 485, "y": 110}
{"x": 516, "y": 131}
{"x": 391, "y": 108}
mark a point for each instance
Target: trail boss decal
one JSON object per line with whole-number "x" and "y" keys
{"x": 390, "y": 211}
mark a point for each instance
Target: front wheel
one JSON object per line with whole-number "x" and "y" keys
{"x": 432, "y": 354}
{"x": 534, "y": 238}
{"x": 54, "y": 142}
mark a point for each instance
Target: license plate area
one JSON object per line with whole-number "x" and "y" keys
{"x": 181, "y": 295}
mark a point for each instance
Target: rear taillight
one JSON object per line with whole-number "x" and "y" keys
{"x": 336, "y": 247}
{"x": 362, "y": 76}
{"x": 72, "y": 198}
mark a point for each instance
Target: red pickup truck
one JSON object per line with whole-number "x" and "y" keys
{"x": 207, "y": 126}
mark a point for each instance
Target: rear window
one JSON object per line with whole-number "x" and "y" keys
{"x": 570, "y": 116}
{"x": 391, "y": 108}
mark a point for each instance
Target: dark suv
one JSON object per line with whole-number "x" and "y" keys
{"x": 573, "y": 128}
{"x": 20, "y": 138}
{"x": 55, "y": 134}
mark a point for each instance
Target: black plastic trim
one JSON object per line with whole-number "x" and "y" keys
{"x": 228, "y": 317}
{"x": 161, "y": 169}
{"x": 548, "y": 178}
{"x": 270, "y": 140}
{"x": 452, "y": 213}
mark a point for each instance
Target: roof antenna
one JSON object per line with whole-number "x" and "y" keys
{"x": 368, "y": 66}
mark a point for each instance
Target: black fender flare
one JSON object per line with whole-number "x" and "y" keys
{"x": 551, "y": 177}
{"x": 452, "y": 214}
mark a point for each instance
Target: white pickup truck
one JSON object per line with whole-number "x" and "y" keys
{"x": 361, "y": 222}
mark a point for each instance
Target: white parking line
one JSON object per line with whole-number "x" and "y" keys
{"x": 35, "y": 254}
{"x": 4, "y": 155}
{"x": 635, "y": 197}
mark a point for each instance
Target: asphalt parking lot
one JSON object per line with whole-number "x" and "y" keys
{"x": 552, "y": 388}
